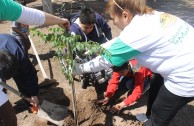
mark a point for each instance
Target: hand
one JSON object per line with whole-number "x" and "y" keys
{"x": 77, "y": 69}
{"x": 64, "y": 24}
{"x": 117, "y": 108}
{"x": 103, "y": 101}
{"x": 35, "y": 101}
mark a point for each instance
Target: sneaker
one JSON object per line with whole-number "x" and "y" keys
{"x": 141, "y": 117}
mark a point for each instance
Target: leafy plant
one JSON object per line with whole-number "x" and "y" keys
{"x": 66, "y": 45}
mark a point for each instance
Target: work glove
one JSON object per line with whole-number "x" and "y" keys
{"x": 77, "y": 69}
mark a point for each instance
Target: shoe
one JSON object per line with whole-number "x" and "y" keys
{"x": 141, "y": 117}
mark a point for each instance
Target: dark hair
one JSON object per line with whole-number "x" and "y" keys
{"x": 8, "y": 65}
{"x": 87, "y": 16}
{"x": 122, "y": 67}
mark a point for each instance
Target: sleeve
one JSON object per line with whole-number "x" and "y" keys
{"x": 31, "y": 16}
{"x": 26, "y": 78}
{"x": 105, "y": 28}
{"x": 112, "y": 84}
{"x": 10, "y": 10}
{"x": 97, "y": 64}
{"x": 13, "y": 11}
{"x": 138, "y": 87}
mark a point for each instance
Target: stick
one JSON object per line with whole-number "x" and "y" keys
{"x": 38, "y": 59}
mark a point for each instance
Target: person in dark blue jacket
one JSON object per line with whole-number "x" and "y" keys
{"x": 91, "y": 26}
{"x": 26, "y": 76}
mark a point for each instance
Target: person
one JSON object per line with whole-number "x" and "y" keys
{"x": 90, "y": 26}
{"x": 157, "y": 40}
{"x": 14, "y": 11}
{"x": 128, "y": 77}
{"x": 136, "y": 79}
{"x": 25, "y": 76}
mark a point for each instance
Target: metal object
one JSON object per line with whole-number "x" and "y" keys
{"x": 47, "y": 110}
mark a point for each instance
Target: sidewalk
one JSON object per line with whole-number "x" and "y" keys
{"x": 181, "y": 8}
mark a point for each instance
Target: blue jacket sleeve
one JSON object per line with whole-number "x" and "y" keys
{"x": 105, "y": 27}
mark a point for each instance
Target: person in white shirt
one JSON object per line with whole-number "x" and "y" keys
{"x": 157, "y": 40}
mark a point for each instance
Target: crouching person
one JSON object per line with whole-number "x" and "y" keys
{"x": 134, "y": 78}
{"x": 15, "y": 63}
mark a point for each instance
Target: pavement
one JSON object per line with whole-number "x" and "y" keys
{"x": 181, "y": 8}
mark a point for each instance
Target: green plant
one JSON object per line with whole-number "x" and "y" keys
{"x": 65, "y": 45}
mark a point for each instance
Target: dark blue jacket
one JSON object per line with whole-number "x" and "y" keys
{"x": 26, "y": 78}
{"x": 102, "y": 26}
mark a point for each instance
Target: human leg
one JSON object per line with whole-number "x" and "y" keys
{"x": 155, "y": 84}
{"x": 7, "y": 115}
{"x": 165, "y": 107}
{"x": 126, "y": 84}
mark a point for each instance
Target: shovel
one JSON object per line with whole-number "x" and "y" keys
{"x": 47, "y": 110}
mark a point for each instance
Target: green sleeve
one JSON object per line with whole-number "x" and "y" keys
{"x": 10, "y": 10}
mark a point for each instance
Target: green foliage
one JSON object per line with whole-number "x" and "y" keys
{"x": 65, "y": 45}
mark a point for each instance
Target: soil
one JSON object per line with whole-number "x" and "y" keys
{"x": 90, "y": 114}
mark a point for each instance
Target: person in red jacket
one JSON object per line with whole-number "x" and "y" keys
{"x": 129, "y": 76}
{"x": 138, "y": 79}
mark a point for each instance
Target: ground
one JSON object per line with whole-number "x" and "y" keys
{"x": 88, "y": 112}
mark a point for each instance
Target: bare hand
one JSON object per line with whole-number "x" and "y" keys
{"x": 103, "y": 101}
{"x": 65, "y": 24}
{"x": 118, "y": 107}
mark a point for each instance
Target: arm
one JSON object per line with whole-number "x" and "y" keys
{"x": 40, "y": 18}
{"x": 112, "y": 84}
{"x": 97, "y": 64}
{"x": 119, "y": 51}
{"x": 111, "y": 88}
{"x": 138, "y": 87}
{"x": 136, "y": 94}
{"x": 14, "y": 11}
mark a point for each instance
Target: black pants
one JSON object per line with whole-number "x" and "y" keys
{"x": 7, "y": 115}
{"x": 155, "y": 84}
{"x": 165, "y": 107}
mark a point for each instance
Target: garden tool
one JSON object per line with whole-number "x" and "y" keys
{"x": 47, "y": 110}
